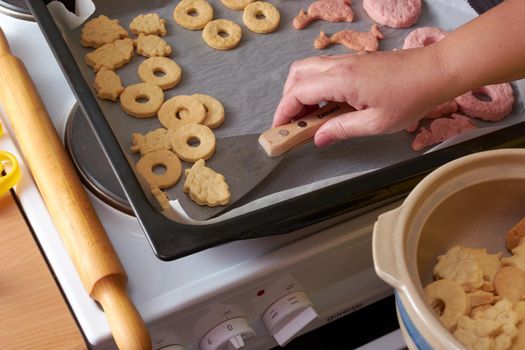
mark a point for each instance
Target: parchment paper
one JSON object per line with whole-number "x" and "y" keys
{"x": 248, "y": 80}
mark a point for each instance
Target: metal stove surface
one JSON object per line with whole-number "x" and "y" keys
{"x": 192, "y": 287}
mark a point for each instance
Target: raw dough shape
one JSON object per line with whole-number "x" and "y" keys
{"x": 111, "y": 56}
{"x": 261, "y": 17}
{"x": 222, "y": 34}
{"x": 423, "y": 36}
{"x": 159, "y": 139}
{"x": 148, "y": 24}
{"x": 442, "y": 129}
{"x": 163, "y": 158}
{"x": 499, "y": 106}
{"x": 193, "y": 14}
{"x": 393, "y": 13}
{"x": 100, "y": 31}
{"x": 152, "y": 46}
{"x": 108, "y": 85}
{"x": 171, "y": 72}
{"x": 327, "y": 10}
{"x": 214, "y": 111}
{"x": 192, "y": 142}
{"x": 141, "y": 100}
{"x": 439, "y": 111}
{"x": 205, "y": 186}
{"x": 170, "y": 115}
{"x": 357, "y": 41}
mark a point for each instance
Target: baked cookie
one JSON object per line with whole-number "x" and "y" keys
{"x": 237, "y": 5}
{"x": 192, "y": 142}
{"x": 147, "y": 165}
{"x": 155, "y": 140}
{"x": 261, "y": 17}
{"x": 151, "y": 46}
{"x": 357, "y": 41}
{"x": 161, "y": 198}
{"x": 111, "y": 56}
{"x": 141, "y": 100}
{"x": 108, "y": 85}
{"x": 149, "y": 24}
{"x": 100, "y": 31}
{"x": 193, "y": 14}
{"x": 171, "y": 72}
{"x": 393, "y": 13}
{"x": 222, "y": 34}
{"x": 205, "y": 186}
{"x": 327, "y": 10}
{"x": 170, "y": 116}
{"x": 214, "y": 111}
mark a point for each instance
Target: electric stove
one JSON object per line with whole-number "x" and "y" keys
{"x": 250, "y": 294}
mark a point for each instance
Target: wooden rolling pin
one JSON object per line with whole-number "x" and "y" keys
{"x": 82, "y": 233}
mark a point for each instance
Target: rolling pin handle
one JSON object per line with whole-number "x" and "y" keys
{"x": 4, "y": 45}
{"x": 123, "y": 318}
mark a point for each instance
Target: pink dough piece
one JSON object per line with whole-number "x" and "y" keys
{"x": 357, "y": 41}
{"x": 502, "y": 98}
{"x": 328, "y": 10}
{"x": 437, "y": 112}
{"x": 393, "y": 13}
{"x": 422, "y": 37}
{"x": 442, "y": 129}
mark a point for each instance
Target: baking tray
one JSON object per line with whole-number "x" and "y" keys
{"x": 364, "y": 187}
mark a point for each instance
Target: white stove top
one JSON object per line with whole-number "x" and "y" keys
{"x": 182, "y": 300}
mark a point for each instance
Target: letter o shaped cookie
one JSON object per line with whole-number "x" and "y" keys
{"x": 170, "y": 115}
{"x": 214, "y": 111}
{"x": 261, "y": 17}
{"x": 182, "y": 142}
{"x": 132, "y": 96}
{"x": 171, "y": 72}
{"x": 502, "y": 99}
{"x": 146, "y": 165}
{"x": 222, "y": 34}
{"x": 193, "y": 14}
{"x": 422, "y": 37}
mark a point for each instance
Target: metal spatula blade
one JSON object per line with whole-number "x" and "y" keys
{"x": 246, "y": 160}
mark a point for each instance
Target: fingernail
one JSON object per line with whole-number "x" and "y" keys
{"x": 323, "y": 139}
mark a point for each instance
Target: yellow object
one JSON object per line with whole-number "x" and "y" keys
{"x": 10, "y": 175}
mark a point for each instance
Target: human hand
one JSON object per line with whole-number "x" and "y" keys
{"x": 389, "y": 90}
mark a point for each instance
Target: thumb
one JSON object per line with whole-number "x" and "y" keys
{"x": 365, "y": 122}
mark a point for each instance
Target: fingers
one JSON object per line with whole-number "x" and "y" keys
{"x": 354, "y": 124}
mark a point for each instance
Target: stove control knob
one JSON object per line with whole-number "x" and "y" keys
{"x": 288, "y": 315}
{"x": 230, "y": 332}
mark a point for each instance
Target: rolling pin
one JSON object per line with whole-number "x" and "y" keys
{"x": 83, "y": 235}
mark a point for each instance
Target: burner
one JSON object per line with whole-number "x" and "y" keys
{"x": 16, "y": 8}
{"x": 91, "y": 162}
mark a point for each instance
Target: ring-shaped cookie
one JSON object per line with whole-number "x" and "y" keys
{"x": 141, "y": 100}
{"x": 186, "y": 135}
{"x": 237, "y": 5}
{"x": 214, "y": 111}
{"x": 163, "y": 158}
{"x": 261, "y": 17}
{"x": 170, "y": 116}
{"x": 193, "y": 14}
{"x": 423, "y": 36}
{"x": 502, "y": 100}
{"x": 222, "y": 34}
{"x": 171, "y": 72}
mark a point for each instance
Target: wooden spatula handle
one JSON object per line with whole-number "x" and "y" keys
{"x": 78, "y": 225}
{"x": 281, "y": 139}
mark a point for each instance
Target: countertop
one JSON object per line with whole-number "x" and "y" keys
{"x": 33, "y": 312}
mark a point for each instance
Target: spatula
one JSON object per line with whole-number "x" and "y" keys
{"x": 246, "y": 160}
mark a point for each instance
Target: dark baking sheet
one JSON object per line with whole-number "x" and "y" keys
{"x": 172, "y": 239}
